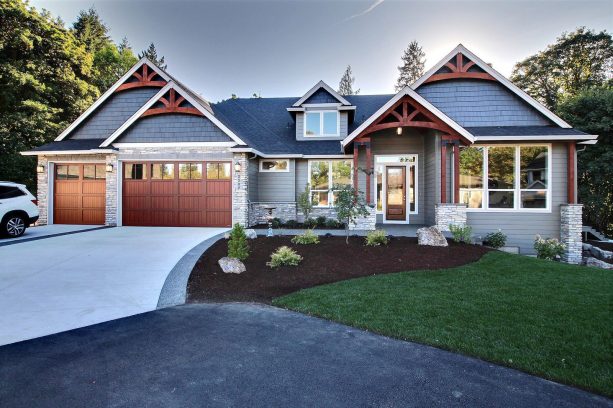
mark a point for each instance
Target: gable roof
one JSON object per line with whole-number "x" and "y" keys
{"x": 110, "y": 92}
{"x": 497, "y": 76}
{"x": 327, "y": 88}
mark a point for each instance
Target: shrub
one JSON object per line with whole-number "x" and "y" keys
{"x": 291, "y": 223}
{"x": 321, "y": 221}
{"x": 495, "y": 239}
{"x": 549, "y": 248}
{"x": 304, "y": 202}
{"x": 461, "y": 233}
{"x": 277, "y": 223}
{"x": 310, "y": 223}
{"x": 332, "y": 223}
{"x": 308, "y": 237}
{"x": 284, "y": 256}
{"x": 376, "y": 238}
{"x": 237, "y": 245}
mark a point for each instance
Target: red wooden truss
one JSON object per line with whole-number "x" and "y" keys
{"x": 142, "y": 77}
{"x": 459, "y": 67}
{"x": 171, "y": 102}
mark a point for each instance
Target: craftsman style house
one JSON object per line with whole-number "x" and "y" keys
{"x": 460, "y": 145}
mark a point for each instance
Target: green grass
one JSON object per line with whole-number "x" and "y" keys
{"x": 550, "y": 319}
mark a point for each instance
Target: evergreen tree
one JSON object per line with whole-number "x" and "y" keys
{"x": 345, "y": 87}
{"x": 152, "y": 54}
{"x": 91, "y": 30}
{"x": 413, "y": 62}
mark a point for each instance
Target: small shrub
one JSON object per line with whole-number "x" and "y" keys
{"x": 321, "y": 221}
{"x": 310, "y": 223}
{"x": 308, "y": 237}
{"x": 549, "y": 248}
{"x": 461, "y": 233}
{"x": 284, "y": 256}
{"x": 277, "y": 223}
{"x": 237, "y": 245}
{"x": 291, "y": 223}
{"x": 495, "y": 239}
{"x": 332, "y": 223}
{"x": 305, "y": 204}
{"x": 376, "y": 238}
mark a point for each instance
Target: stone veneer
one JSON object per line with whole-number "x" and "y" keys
{"x": 110, "y": 216}
{"x": 447, "y": 213}
{"x": 258, "y": 212}
{"x": 367, "y": 223}
{"x": 240, "y": 190}
{"x": 571, "y": 225}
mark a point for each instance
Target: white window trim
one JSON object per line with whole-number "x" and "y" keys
{"x": 263, "y": 170}
{"x": 330, "y": 184}
{"x": 517, "y": 190}
{"x": 321, "y": 124}
{"x": 407, "y": 181}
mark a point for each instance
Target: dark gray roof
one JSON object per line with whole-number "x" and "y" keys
{"x": 71, "y": 144}
{"x": 523, "y": 131}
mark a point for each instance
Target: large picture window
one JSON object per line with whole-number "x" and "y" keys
{"x": 322, "y": 123}
{"x": 505, "y": 177}
{"x": 325, "y": 176}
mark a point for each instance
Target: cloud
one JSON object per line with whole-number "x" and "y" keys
{"x": 368, "y": 10}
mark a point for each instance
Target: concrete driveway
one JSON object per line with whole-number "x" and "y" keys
{"x": 64, "y": 282}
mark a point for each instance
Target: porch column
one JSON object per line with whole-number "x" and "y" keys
{"x": 369, "y": 167}
{"x": 572, "y": 155}
{"x": 444, "y": 171}
{"x": 356, "y": 146}
{"x": 456, "y": 172}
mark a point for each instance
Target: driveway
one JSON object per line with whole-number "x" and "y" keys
{"x": 64, "y": 282}
{"x": 244, "y": 355}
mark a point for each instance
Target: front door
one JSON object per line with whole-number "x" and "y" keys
{"x": 395, "y": 196}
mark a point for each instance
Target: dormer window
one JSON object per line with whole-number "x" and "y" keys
{"x": 321, "y": 123}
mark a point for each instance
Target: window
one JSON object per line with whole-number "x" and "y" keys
{"x": 322, "y": 123}
{"x": 67, "y": 172}
{"x": 135, "y": 171}
{"x": 325, "y": 176}
{"x": 517, "y": 177}
{"x": 274, "y": 166}
{"x": 190, "y": 171}
{"x": 162, "y": 171}
{"x": 218, "y": 171}
{"x": 10, "y": 192}
{"x": 94, "y": 172}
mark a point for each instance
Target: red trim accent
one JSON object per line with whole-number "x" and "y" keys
{"x": 368, "y": 169}
{"x": 444, "y": 173}
{"x": 572, "y": 150}
{"x": 355, "y": 167}
{"x": 143, "y": 79}
{"x": 460, "y": 70}
{"x": 456, "y": 173}
{"x": 172, "y": 105}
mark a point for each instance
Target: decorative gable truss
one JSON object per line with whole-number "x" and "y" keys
{"x": 171, "y": 102}
{"x": 143, "y": 77}
{"x": 457, "y": 67}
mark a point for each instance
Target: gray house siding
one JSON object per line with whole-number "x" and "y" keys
{"x": 343, "y": 126}
{"x": 112, "y": 113}
{"x": 173, "y": 128}
{"x": 521, "y": 227}
{"x": 432, "y": 171}
{"x": 480, "y": 103}
{"x": 321, "y": 96}
{"x": 277, "y": 186}
{"x": 253, "y": 180}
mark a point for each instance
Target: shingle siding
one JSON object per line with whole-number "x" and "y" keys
{"x": 173, "y": 128}
{"x": 321, "y": 96}
{"x": 480, "y": 103}
{"x": 112, "y": 114}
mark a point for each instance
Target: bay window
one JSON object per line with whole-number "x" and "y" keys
{"x": 321, "y": 123}
{"x": 505, "y": 177}
{"x": 325, "y": 176}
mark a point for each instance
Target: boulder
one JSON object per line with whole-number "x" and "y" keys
{"x": 231, "y": 265}
{"x": 597, "y": 263}
{"x": 431, "y": 236}
{"x": 251, "y": 234}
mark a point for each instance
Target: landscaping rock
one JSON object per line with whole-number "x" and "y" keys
{"x": 231, "y": 265}
{"x": 251, "y": 234}
{"x": 590, "y": 261}
{"x": 431, "y": 236}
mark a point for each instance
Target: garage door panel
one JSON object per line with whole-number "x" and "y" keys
{"x": 162, "y": 188}
{"x": 77, "y": 200}
{"x": 67, "y": 201}
{"x": 165, "y": 218}
{"x": 93, "y": 187}
{"x": 192, "y": 203}
{"x": 68, "y": 216}
{"x": 192, "y": 218}
{"x": 191, "y": 188}
{"x": 67, "y": 187}
{"x": 218, "y": 203}
{"x": 133, "y": 188}
{"x": 217, "y": 188}
{"x": 93, "y": 217}
{"x": 219, "y": 218}
{"x": 163, "y": 203}
{"x": 92, "y": 202}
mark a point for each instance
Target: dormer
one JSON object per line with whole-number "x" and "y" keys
{"x": 322, "y": 114}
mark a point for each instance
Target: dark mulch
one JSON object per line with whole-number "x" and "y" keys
{"x": 607, "y": 246}
{"x": 329, "y": 261}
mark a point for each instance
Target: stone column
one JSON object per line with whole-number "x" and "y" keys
{"x": 367, "y": 223}
{"x": 571, "y": 225}
{"x": 447, "y": 213}
{"x": 240, "y": 190}
{"x": 110, "y": 217}
{"x": 42, "y": 191}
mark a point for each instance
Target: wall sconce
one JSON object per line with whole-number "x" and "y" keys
{"x": 40, "y": 168}
{"x": 109, "y": 168}
{"x": 399, "y": 130}
{"x": 237, "y": 167}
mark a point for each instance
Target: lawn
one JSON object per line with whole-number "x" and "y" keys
{"x": 549, "y": 319}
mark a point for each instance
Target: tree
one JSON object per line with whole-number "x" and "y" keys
{"x": 305, "y": 203}
{"x": 152, "y": 54}
{"x": 349, "y": 205}
{"x": 238, "y": 247}
{"x": 91, "y": 30}
{"x": 413, "y": 62}
{"x": 345, "y": 87}
{"x": 592, "y": 111}
{"x": 577, "y": 61}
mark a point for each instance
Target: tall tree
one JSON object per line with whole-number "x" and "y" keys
{"x": 111, "y": 62}
{"x": 577, "y": 61}
{"x": 152, "y": 54}
{"x": 413, "y": 62}
{"x": 345, "y": 87}
{"x": 91, "y": 30}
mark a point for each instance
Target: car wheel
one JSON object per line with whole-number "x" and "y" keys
{"x": 14, "y": 226}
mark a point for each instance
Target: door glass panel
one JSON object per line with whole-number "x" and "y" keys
{"x": 61, "y": 172}
{"x": 395, "y": 186}
{"x": 380, "y": 188}
{"x": 341, "y": 173}
{"x": 224, "y": 171}
{"x": 501, "y": 199}
{"x": 501, "y": 165}
{"x": 135, "y": 171}
{"x": 533, "y": 167}
{"x": 319, "y": 175}
{"x": 100, "y": 171}
{"x": 411, "y": 188}
{"x": 162, "y": 171}
{"x": 534, "y": 199}
{"x": 89, "y": 172}
{"x": 73, "y": 172}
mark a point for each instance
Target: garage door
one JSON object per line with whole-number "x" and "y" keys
{"x": 194, "y": 194}
{"x": 79, "y": 194}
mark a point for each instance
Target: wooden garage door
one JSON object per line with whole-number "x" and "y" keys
{"x": 79, "y": 194}
{"x": 184, "y": 194}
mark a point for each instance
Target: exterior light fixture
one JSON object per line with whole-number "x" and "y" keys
{"x": 237, "y": 167}
{"x": 40, "y": 168}
{"x": 399, "y": 130}
{"x": 109, "y": 168}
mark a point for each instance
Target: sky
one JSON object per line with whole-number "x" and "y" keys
{"x": 282, "y": 48}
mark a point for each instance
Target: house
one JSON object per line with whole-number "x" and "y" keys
{"x": 462, "y": 145}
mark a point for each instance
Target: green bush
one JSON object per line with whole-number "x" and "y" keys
{"x": 291, "y": 224}
{"x": 310, "y": 223}
{"x": 321, "y": 221}
{"x": 548, "y": 248}
{"x": 277, "y": 222}
{"x": 308, "y": 237}
{"x": 304, "y": 202}
{"x": 332, "y": 223}
{"x": 376, "y": 238}
{"x": 461, "y": 233}
{"x": 284, "y": 256}
{"x": 495, "y": 239}
{"x": 237, "y": 245}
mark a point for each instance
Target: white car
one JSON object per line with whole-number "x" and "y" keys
{"x": 18, "y": 209}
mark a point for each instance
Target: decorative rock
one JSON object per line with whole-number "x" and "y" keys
{"x": 597, "y": 263}
{"x": 431, "y": 236}
{"x": 251, "y": 234}
{"x": 509, "y": 249}
{"x": 231, "y": 265}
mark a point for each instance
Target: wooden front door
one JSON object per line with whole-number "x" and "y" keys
{"x": 79, "y": 194}
{"x": 395, "y": 195}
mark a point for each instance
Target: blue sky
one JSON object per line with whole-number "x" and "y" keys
{"x": 282, "y": 48}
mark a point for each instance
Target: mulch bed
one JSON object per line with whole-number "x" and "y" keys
{"x": 329, "y": 261}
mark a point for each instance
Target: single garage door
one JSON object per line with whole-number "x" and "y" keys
{"x": 79, "y": 194}
{"x": 194, "y": 194}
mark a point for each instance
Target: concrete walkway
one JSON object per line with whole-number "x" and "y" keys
{"x": 69, "y": 281}
{"x": 244, "y": 355}
{"x": 47, "y": 231}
